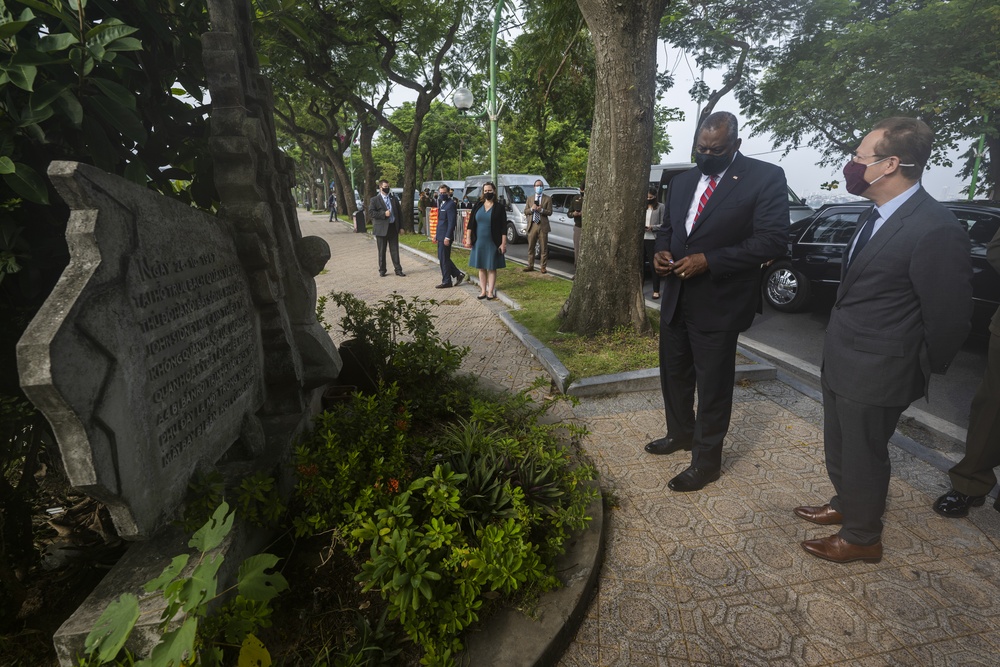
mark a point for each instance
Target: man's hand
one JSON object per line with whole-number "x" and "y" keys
{"x": 503, "y": 247}
{"x": 663, "y": 262}
{"x": 447, "y": 241}
{"x": 690, "y": 266}
{"x": 388, "y": 213}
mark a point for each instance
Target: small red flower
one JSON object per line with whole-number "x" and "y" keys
{"x": 402, "y": 425}
{"x": 393, "y": 485}
{"x": 310, "y": 470}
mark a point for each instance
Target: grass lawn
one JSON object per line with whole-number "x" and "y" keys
{"x": 540, "y": 298}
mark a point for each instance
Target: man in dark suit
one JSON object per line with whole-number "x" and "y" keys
{"x": 447, "y": 226}
{"x": 724, "y": 219}
{"x": 973, "y": 477}
{"x": 537, "y": 210}
{"x": 902, "y": 312}
{"x": 386, "y": 218}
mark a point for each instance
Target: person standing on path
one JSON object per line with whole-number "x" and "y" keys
{"x": 654, "y": 220}
{"x": 447, "y": 227}
{"x": 576, "y": 213}
{"x": 973, "y": 477}
{"x": 537, "y": 211}
{"x": 487, "y": 226}
{"x": 724, "y": 218}
{"x": 902, "y": 312}
{"x": 385, "y": 216}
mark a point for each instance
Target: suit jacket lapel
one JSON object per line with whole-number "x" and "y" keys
{"x": 730, "y": 181}
{"x": 849, "y": 274}
{"x": 686, "y": 184}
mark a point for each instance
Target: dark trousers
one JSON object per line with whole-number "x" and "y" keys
{"x": 856, "y": 442}
{"x": 706, "y": 360}
{"x": 391, "y": 239}
{"x": 448, "y": 268}
{"x": 974, "y": 475}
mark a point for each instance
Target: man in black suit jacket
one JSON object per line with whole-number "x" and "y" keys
{"x": 724, "y": 219}
{"x": 447, "y": 229}
{"x": 386, "y": 219}
{"x": 902, "y": 312}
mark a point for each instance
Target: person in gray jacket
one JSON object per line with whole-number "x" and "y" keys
{"x": 902, "y": 311}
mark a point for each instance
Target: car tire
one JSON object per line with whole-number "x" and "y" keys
{"x": 785, "y": 289}
{"x": 512, "y": 236}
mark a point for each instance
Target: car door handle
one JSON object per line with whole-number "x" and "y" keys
{"x": 817, "y": 259}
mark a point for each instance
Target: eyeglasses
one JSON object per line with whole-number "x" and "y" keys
{"x": 861, "y": 158}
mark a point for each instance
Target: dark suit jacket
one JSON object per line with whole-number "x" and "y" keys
{"x": 376, "y": 214}
{"x": 903, "y": 307}
{"x": 447, "y": 217}
{"x": 744, "y": 224}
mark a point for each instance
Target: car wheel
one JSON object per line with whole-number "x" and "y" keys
{"x": 512, "y": 236}
{"x": 785, "y": 289}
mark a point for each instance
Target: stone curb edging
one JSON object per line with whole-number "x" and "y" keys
{"x": 513, "y": 639}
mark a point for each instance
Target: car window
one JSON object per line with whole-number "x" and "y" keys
{"x": 836, "y": 228}
{"x": 559, "y": 202}
{"x": 982, "y": 226}
{"x": 517, "y": 195}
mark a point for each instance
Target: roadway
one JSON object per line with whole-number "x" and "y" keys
{"x": 800, "y": 336}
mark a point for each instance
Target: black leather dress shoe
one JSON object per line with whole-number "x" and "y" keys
{"x": 458, "y": 281}
{"x": 956, "y": 504}
{"x": 668, "y": 445}
{"x": 442, "y": 286}
{"x": 693, "y": 479}
{"x": 400, "y": 274}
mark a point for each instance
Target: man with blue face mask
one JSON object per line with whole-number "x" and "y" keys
{"x": 537, "y": 211}
{"x": 902, "y": 312}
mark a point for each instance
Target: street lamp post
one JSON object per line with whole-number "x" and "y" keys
{"x": 463, "y": 96}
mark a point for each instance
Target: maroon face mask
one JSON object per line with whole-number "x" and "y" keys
{"x": 854, "y": 176}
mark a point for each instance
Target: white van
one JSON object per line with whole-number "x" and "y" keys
{"x": 514, "y": 190}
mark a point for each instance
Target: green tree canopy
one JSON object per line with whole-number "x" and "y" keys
{"x": 853, "y": 63}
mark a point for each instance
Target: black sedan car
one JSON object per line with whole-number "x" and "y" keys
{"x": 816, "y": 246}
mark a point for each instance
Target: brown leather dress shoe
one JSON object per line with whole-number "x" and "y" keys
{"x": 837, "y": 549}
{"x": 824, "y": 515}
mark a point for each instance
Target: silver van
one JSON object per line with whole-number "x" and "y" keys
{"x": 514, "y": 190}
{"x": 560, "y": 224}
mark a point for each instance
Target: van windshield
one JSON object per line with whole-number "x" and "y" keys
{"x": 517, "y": 194}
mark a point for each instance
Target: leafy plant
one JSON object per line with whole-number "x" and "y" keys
{"x": 398, "y": 341}
{"x": 191, "y": 595}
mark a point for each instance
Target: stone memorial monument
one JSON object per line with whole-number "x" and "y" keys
{"x": 177, "y": 341}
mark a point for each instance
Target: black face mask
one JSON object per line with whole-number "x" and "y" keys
{"x": 712, "y": 165}
{"x": 385, "y": 190}
{"x": 488, "y": 196}
{"x": 443, "y": 197}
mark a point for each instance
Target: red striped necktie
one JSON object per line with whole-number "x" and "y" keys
{"x": 704, "y": 197}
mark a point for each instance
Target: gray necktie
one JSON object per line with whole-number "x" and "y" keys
{"x": 388, "y": 207}
{"x": 537, "y": 215}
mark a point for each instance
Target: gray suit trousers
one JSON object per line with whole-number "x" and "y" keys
{"x": 856, "y": 439}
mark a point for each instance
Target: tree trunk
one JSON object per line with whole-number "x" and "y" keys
{"x": 365, "y": 137}
{"x": 345, "y": 203}
{"x": 607, "y": 290}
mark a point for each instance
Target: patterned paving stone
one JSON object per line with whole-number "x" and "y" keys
{"x": 718, "y": 577}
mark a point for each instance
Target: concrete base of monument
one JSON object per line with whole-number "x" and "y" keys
{"x": 145, "y": 561}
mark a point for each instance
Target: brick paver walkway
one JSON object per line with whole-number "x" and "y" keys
{"x": 717, "y": 577}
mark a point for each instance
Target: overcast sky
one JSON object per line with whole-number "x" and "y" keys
{"x": 800, "y": 165}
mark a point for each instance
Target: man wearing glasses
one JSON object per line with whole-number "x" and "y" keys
{"x": 902, "y": 312}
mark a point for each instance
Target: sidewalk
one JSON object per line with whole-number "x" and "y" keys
{"x": 717, "y": 577}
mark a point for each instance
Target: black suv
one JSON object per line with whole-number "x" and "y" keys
{"x": 816, "y": 246}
